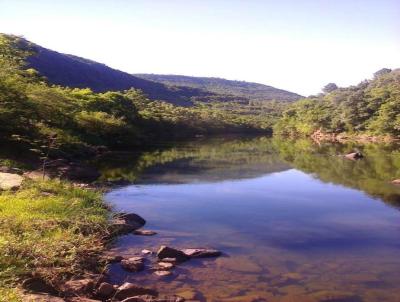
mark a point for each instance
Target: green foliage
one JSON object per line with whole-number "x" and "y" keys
{"x": 371, "y": 107}
{"x": 31, "y": 110}
{"x": 49, "y": 224}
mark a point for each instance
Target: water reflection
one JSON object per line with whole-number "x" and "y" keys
{"x": 297, "y": 222}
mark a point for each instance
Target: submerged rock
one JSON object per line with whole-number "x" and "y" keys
{"x": 168, "y": 252}
{"x": 163, "y": 273}
{"x": 147, "y": 252}
{"x": 165, "y": 265}
{"x": 201, "y": 253}
{"x": 133, "y": 264}
{"x": 144, "y": 233}
{"x": 128, "y": 290}
{"x": 10, "y": 181}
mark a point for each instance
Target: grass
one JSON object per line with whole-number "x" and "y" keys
{"x": 49, "y": 229}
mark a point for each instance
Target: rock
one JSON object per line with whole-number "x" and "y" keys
{"x": 354, "y": 155}
{"x": 396, "y": 182}
{"x": 113, "y": 259}
{"x": 78, "y": 287}
{"x": 36, "y": 175}
{"x": 6, "y": 169}
{"x": 189, "y": 294}
{"x": 105, "y": 290}
{"x": 169, "y": 260}
{"x": 163, "y": 273}
{"x": 125, "y": 223}
{"x": 10, "y": 181}
{"x": 133, "y": 264}
{"x": 201, "y": 253}
{"x": 147, "y": 252}
{"x": 144, "y": 233}
{"x": 142, "y": 298}
{"x": 165, "y": 265}
{"x": 41, "y": 298}
{"x": 168, "y": 252}
{"x": 127, "y": 290}
{"x": 37, "y": 284}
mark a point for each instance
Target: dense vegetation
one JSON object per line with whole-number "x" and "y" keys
{"x": 32, "y": 111}
{"x": 239, "y": 90}
{"x": 372, "y": 107}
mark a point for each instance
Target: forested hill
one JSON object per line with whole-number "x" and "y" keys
{"x": 240, "y": 89}
{"x": 72, "y": 71}
{"x": 76, "y": 72}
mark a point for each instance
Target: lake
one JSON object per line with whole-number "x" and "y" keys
{"x": 295, "y": 221}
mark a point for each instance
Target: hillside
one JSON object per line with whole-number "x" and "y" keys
{"x": 371, "y": 107}
{"x": 76, "y": 72}
{"x": 239, "y": 89}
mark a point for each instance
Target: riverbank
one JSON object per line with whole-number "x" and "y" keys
{"x": 50, "y": 231}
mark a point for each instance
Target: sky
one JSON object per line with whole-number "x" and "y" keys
{"x": 297, "y": 45}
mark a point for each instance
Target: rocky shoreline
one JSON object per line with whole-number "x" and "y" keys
{"x": 95, "y": 286}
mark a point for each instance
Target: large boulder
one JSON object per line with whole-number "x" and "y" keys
{"x": 168, "y": 252}
{"x": 128, "y": 290}
{"x": 10, "y": 181}
{"x": 201, "y": 253}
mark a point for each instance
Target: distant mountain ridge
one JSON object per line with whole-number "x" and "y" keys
{"x": 241, "y": 89}
{"x": 73, "y": 71}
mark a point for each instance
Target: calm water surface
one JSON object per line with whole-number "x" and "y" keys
{"x": 296, "y": 221}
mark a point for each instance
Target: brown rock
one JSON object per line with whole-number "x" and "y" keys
{"x": 165, "y": 265}
{"x": 163, "y": 273}
{"x": 167, "y": 252}
{"x": 105, "y": 290}
{"x": 133, "y": 264}
{"x": 82, "y": 299}
{"x": 201, "y": 253}
{"x": 78, "y": 287}
{"x": 113, "y": 259}
{"x": 169, "y": 260}
{"x": 144, "y": 233}
{"x": 128, "y": 290}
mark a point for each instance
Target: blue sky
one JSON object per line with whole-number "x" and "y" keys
{"x": 296, "y": 45}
